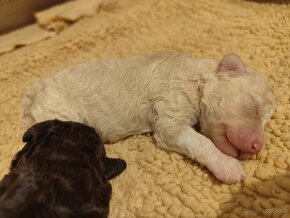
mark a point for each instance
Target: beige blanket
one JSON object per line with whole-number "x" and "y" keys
{"x": 158, "y": 183}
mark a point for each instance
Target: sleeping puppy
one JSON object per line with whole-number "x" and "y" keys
{"x": 62, "y": 171}
{"x": 165, "y": 93}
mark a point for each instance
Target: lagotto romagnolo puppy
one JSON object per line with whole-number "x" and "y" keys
{"x": 164, "y": 93}
{"x": 62, "y": 171}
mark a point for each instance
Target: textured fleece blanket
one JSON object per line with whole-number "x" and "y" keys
{"x": 159, "y": 183}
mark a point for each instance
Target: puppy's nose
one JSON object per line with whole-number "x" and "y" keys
{"x": 256, "y": 147}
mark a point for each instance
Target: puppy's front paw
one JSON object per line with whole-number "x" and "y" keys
{"x": 227, "y": 169}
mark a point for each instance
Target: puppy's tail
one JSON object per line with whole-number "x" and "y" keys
{"x": 28, "y": 104}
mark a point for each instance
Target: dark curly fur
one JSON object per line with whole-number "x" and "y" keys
{"x": 62, "y": 171}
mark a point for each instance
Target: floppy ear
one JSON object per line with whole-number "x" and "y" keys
{"x": 33, "y": 137}
{"x": 40, "y": 131}
{"x": 113, "y": 167}
{"x": 28, "y": 135}
{"x": 27, "y": 149}
{"x": 231, "y": 65}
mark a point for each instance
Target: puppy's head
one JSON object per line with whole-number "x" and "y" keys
{"x": 235, "y": 107}
{"x": 71, "y": 141}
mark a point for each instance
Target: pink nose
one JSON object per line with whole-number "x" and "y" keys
{"x": 256, "y": 147}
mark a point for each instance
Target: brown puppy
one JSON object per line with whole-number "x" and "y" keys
{"x": 165, "y": 93}
{"x": 62, "y": 171}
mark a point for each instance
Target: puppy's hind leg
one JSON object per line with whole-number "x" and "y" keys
{"x": 43, "y": 102}
{"x": 28, "y": 103}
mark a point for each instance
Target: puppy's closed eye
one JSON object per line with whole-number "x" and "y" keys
{"x": 112, "y": 167}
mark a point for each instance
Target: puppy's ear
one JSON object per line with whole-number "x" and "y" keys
{"x": 28, "y": 136}
{"x": 40, "y": 131}
{"x": 113, "y": 167}
{"x": 33, "y": 137}
{"x": 25, "y": 151}
{"x": 231, "y": 65}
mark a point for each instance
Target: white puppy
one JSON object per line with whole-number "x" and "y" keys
{"x": 167, "y": 94}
